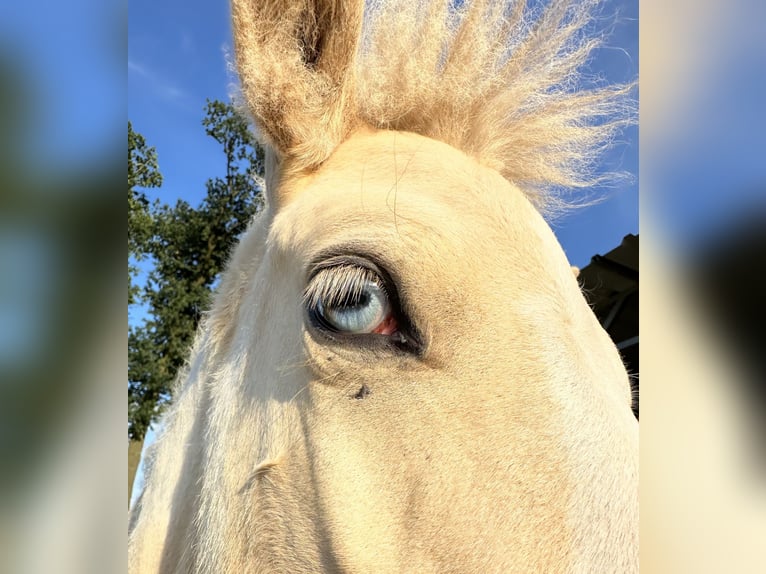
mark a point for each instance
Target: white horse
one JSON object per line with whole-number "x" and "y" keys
{"x": 399, "y": 372}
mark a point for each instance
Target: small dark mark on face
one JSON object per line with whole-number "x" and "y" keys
{"x": 362, "y": 392}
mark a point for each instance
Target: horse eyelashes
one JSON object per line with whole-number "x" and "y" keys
{"x": 339, "y": 285}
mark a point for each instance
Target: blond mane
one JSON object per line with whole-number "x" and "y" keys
{"x": 502, "y": 82}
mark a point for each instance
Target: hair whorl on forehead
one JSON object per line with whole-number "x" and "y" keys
{"x": 498, "y": 80}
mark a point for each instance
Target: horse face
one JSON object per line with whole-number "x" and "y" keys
{"x": 422, "y": 385}
{"x": 399, "y": 372}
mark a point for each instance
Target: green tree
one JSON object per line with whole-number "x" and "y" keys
{"x": 189, "y": 247}
{"x": 143, "y": 173}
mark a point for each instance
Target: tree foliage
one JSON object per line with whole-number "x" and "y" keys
{"x": 143, "y": 173}
{"x": 189, "y": 247}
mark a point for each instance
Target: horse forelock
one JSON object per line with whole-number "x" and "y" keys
{"x": 505, "y": 82}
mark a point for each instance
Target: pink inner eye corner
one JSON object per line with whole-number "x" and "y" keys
{"x": 387, "y": 327}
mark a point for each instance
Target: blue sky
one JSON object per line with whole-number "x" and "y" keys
{"x": 177, "y": 57}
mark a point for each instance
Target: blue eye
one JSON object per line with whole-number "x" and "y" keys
{"x": 364, "y": 310}
{"x": 350, "y": 299}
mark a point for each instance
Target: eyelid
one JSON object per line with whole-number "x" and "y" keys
{"x": 337, "y": 257}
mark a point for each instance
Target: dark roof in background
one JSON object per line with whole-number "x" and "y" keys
{"x": 610, "y": 284}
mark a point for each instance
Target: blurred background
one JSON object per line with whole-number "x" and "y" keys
{"x": 703, "y": 264}
{"x": 64, "y": 71}
{"x": 63, "y": 329}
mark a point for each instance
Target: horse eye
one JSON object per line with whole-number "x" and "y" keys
{"x": 367, "y": 311}
{"x": 351, "y": 300}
